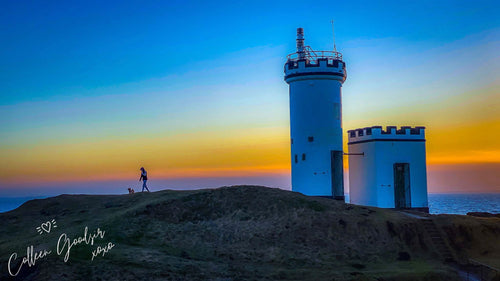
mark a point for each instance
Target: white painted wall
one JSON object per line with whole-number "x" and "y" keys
{"x": 371, "y": 176}
{"x": 315, "y": 111}
{"x": 362, "y": 175}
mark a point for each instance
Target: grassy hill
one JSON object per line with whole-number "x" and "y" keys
{"x": 236, "y": 233}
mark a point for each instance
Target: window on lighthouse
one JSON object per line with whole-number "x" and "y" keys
{"x": 303, "y": 157}
{"x": 336, "y": 110}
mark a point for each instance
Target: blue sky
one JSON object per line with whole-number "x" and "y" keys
{"x": 152, "y": 72}
{"x": 95, "y": 44}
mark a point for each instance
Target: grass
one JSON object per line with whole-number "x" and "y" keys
{"x": 237, "y": 233}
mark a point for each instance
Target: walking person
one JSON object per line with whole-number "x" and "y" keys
{"x": 144, "y": 178}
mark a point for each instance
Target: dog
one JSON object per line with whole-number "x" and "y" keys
{"x": 131, "y": 191}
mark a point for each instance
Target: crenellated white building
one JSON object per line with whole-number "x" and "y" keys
{"x": 387, "y": 168}
{"x": 315, "y": 79}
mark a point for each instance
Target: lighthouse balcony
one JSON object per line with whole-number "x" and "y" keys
{"x": 321, "y": 65}
{"x": 319, "y": 62}
{"x": 311, "y": 58}
{"x": 309, "y": 54}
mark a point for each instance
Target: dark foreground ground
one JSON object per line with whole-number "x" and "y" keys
{"x": 234, "y": 233}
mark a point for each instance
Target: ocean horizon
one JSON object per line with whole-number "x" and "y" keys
{"x": 439, "y": 203}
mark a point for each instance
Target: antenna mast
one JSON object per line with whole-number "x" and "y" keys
{"x": 333, "y": 32}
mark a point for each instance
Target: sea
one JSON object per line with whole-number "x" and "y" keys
{"x": 439, "y": 203}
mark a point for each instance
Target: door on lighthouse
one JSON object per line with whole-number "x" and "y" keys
{"x": 337, "y": 166}
{"x": 402, "y": 195}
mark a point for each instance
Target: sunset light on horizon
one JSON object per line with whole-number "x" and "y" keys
{"x": 194, "y": 92}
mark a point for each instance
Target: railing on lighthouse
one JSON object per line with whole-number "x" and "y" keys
{"x": 308, "y": 54}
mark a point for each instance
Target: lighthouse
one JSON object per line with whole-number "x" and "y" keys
{"x": 315, "y": 81}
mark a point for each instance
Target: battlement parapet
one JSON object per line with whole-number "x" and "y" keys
{"x": 391, "y": 133}
{"x": 322, "y": 68}
{"x": 320, "y": 62}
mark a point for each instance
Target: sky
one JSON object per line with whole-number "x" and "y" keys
{"x": 194, "y": 91}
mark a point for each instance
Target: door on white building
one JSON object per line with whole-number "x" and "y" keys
{"x": 402, "y": 194}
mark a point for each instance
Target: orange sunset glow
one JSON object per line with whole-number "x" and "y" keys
{"x": 210, "y": 102}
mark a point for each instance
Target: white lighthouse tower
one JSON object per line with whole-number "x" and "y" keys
{"x": 315, "y": 79}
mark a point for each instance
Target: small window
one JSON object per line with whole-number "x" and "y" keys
{"x": 310, "y": 139}
{"x": 291, "y": 141}
{"x": 303, "y": 157}
{"x": 337, "y": 111}
{"x": 296, "y": 159}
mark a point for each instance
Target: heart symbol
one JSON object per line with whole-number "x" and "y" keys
{"x": 46, "y": 226}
